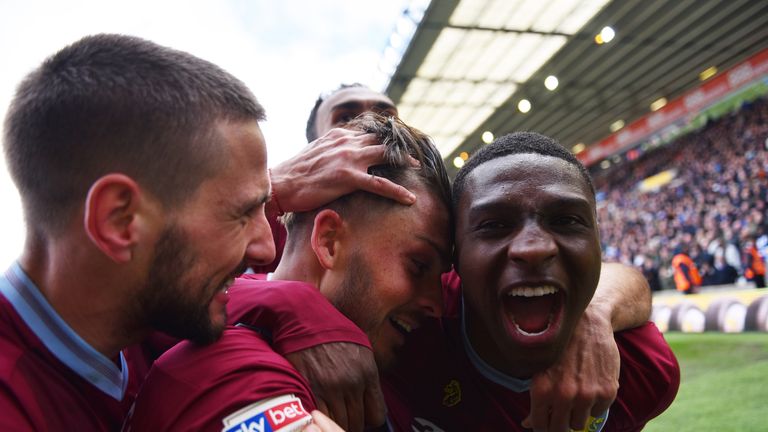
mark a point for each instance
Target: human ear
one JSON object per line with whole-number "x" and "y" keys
{"x": 110, "y": 215}
{"x": 327, "y": 233}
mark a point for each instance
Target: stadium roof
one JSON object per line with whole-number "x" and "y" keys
{"x": 469, "y": 63}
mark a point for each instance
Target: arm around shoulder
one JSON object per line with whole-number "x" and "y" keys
{"x": 623, "y": 295}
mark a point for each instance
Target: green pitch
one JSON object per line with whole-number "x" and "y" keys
{"x": 724, "y": 383}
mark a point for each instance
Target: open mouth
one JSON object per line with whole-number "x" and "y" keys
{"x": 533, "y": 310}
{"x": 403, "y": 327}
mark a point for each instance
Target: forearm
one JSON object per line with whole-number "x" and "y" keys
{"x": 623, "y": 295}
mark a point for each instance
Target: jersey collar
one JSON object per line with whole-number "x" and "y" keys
{"x": 58, "y": 336}
{"x": 515, "y": 384}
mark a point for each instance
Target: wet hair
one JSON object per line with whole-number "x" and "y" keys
{"x": 401, "y": 142}
{"x": 311, "y": 130}
{"x": 517, "y": 143}
{"x": 115, "y": 103}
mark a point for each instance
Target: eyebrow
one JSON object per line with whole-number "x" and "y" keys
{"x": 558, "y": 200}
{"x": 350, "y": 105}
{"x": 260, "y": 200}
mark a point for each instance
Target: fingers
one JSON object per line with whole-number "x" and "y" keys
{"x": 321, "y": 423}
{"x": 375, "y": 409}
{"x": 538, "y": 419}
{"x": 321, "y": 405}
{"x": 601, "y": 406}
{"x": 580, "y": 414}
{"x": 355, "y": 414}
{"x": 385, "y": 188}
{"x": 560, "y": 418}
{"x": 338, "y": 412}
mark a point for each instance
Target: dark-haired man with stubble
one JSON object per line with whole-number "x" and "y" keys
{"x": 142, "y": 174}
{"x": 376, "y": 261}
{"x": 528, "y": 253}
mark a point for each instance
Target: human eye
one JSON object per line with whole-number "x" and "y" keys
{"x": 492, "y": 225}
{"x": 343, "y": 117}
{"x": 250, "y": 213}
{"x": 418, "y": 267}
{"x": 570, "y": 221}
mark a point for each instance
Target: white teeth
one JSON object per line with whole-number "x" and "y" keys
{"x": 405, "y": 326}
{"x": 532, "y": 291}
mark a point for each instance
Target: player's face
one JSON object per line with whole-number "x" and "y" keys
{"x": 392, "y": 277}
{"x": 210, "y": 240}
{"x": 345, "y": 105}
{"x": 528, "y": 256}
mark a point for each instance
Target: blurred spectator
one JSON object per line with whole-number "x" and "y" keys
{"x": 687, "y": 278}
{"x": 722, "y": 273}
{"x": 754, "y": 264}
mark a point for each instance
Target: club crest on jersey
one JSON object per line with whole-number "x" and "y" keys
{"x": 595, "y": 424}
{"x": 279, "y": 414}
{"x": 452, "y": 393}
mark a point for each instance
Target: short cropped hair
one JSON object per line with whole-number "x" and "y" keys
{"x": 400, "y": 141}
{"x": 115, "y": 103}
{"x": 311, "y": 131}
{"x": 517, "y": 143}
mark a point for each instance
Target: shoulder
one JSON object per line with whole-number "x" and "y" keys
{"x": 248, "y": 293}
{"x": 239, "y": 351}
{"x": 194, "y": 387}
{"x": 16, "y": 394}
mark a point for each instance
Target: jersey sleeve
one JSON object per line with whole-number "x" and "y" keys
{"x": 14, "y": 417}
{"x": 648, "y": 380}
{"x": 235, "y": 384}
{"x": 294, "y": 315}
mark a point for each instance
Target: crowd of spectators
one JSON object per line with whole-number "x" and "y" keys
{"x": 714, "y": 207}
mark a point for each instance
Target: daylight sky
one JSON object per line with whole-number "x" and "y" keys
{"x": 286, "y": 51}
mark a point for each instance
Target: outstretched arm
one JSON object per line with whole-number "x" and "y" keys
{"x": 585, "y": 380}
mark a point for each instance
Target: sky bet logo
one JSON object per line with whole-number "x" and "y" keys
{"x": 280, "y": 414}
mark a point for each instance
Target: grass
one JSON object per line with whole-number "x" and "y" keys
{"x": 724, "y": 383}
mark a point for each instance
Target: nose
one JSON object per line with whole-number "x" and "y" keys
{"x": 532, "y": 246}
{"x": 430, "y": 300}
{"x": 260, "y": 249}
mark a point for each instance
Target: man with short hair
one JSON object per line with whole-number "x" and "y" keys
{"x": 377, "y": 261}
{"x": 528, "y": 253}
{"x": 142, "y": 173}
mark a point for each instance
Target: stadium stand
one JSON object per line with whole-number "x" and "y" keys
{"x": 704, "y": 192}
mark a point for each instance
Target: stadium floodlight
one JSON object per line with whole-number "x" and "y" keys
{"x": 658, "y": 104}
{"x": 708, "y": 73}
{"x": 487, "y": 137}
{"x": 551, "y": 83}
{"x": 606, "y": 35}
{"x": 464, "y": 155}
{"x": 458, "y": 162}
{"x": 524, "y": 105}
